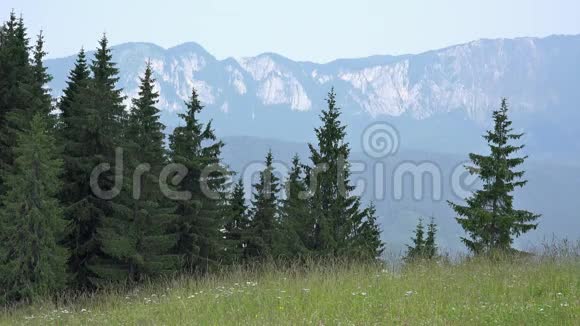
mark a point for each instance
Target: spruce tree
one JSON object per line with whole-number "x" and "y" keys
{"x": 431, "y": 243}
{"x": 31, "y": 221}
{"x": 96, "y": 121}
{"x": 237, "y": 224}
{"x": 136, "y": 237}
{"x": 71, "y": 129}
{"x": 41, "y": 94}
{"x": 366, "y": 241}
{"x": 488, "y": 217}
{"x": 337, "y": 213}
{"x": 296, "y": 234}
{"x": 16, "y": 85}
{"x": 417, "y": 249}
{"x": 78, "y": 78}
{"x": 199, "y": 218}
{"x": 264, "y": 213}
{"x": 80, "y": 211}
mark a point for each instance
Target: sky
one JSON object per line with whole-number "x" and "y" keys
{"x": 308, "y": 30}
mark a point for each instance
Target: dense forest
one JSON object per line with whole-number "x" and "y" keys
{"x": 93, "y": 192}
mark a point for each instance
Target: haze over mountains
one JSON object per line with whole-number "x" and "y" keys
{"x": 445, "y": 92}
{"x": 439, "y": 101}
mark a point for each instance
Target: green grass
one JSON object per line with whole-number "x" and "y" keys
{"x": 476, "y": 292}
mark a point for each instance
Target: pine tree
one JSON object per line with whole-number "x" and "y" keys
{"x": 31, "y": 221}
{"x": 42, "y": 98}
{"x": 489, "y": 218}
{"x": 430, "y": 251}
{"x": 16, "y": 86}
{"x": 78, "y": 78}
{"x": 71, "y": 126}
{"x": 96, "y": 121}
{"x": 200, "y": 217}
{"x": 136, "y": 237}
{"x": 264, "y": 212}
{"x": 366, "y": 241}
{"x": 296, "y": 234}
{"x": 417, "y": 249}
{"x": 237, "y": 224}
{"x": 81, "y": 210}
{"x": 338, "y": 216}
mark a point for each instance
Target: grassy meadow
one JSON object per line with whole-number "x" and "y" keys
{"x": 526, "y": 291}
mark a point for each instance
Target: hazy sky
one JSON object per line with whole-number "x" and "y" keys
{"x": 315, "y": 30}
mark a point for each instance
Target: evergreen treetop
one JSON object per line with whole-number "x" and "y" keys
{"x": 77, "y": 78}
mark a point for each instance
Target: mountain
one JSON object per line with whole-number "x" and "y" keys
{"x": 438, "y": 100}
{"x": 439, "y": 103}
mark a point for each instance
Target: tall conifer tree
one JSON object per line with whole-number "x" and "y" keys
{"x": 136, "y": 237}
{"x": 97, "y": 118}
{"x": 236, "y": 225}
{"x": 264, "y": 212}
{"x": 338, "y": 215}
{"x": 16, "y": 86}
{"x": 488, "y": 217}
{"x": 296, "y": 234}
{"x": 31, "y": 221}
{"x": 199, "y": 218}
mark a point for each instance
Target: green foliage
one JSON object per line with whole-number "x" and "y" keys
{"x": 296, "y": 232}
{"x": 200, "y": 216}
{"x": 18, "y": 88}
{"x": 129, "y": 230}
{"x": 31, "y": 222}
{"x": 430, "y": 243}
{"x": 96, "y": 120}
{"x": 78, "y": 78}
{"x": 264, "y": 212}
{"x": 488, "y": 217}
{"x": 41, "y": 95}
{"x": 339, "y": 220}
{"x": 237, "y": 225}
{"x": 366, "y": 239}
{"x": 423, "y": 247}
{"x": 136, "y": 241}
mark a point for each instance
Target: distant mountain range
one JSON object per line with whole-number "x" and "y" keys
{"x": 439, "y": 100}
